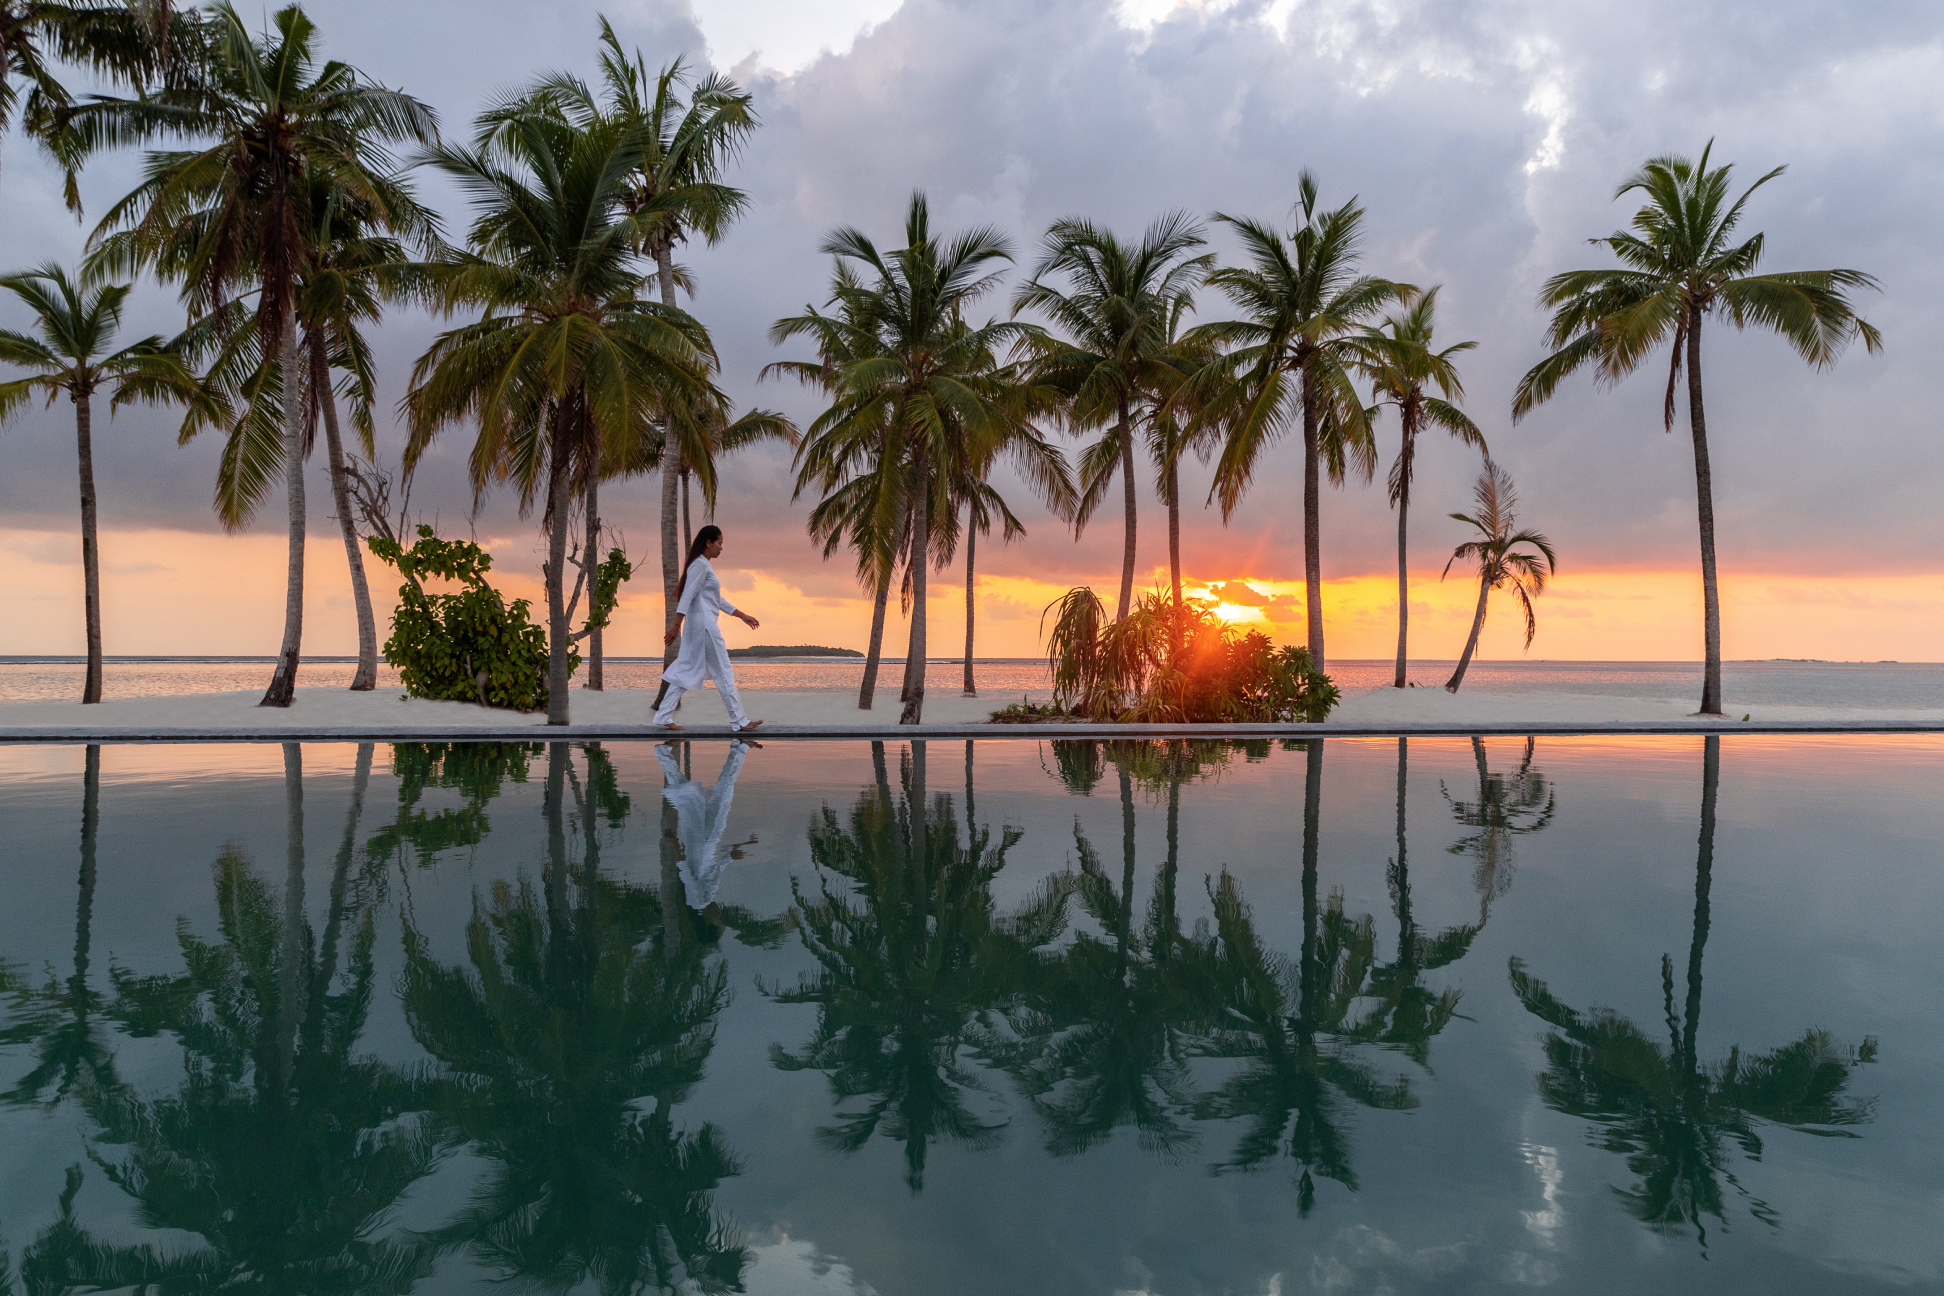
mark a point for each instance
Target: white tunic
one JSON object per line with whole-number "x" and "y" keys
{"x": 704, "y": 653}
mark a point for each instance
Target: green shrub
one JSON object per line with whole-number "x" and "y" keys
{"x": 1160, "y": 664}
{"x": 472, "y": 646}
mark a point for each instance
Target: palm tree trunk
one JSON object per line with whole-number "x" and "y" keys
{"x": 1471, "y": 644}
{"x": 1403, "y": 540}
{"x": 559, "y": 492}
{"x": 688, "y": 525}
{"x": 1127, "y": 862}
{"x": 365, "y": 678}
{"x": 671, "y": 465}
{"x": 592, "y": 557}
{"x": 1312, "y": 525}
{"x": 1704, "y": 496}
{"x": 90, "y": 546}
{"x": 971, "y": 543}
{"x": 1703, "y": 880}
{"x": 914, "y": 689}
{"x": 868, "y": 691}
{"x": 283, "y": 683}
{"x": 1174, "y": 530}
{"x": 1126, "y": 434}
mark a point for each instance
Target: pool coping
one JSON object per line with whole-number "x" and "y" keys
{"x": 984, "y": 730}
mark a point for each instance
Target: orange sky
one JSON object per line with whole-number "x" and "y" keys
{"x": 170, "y": 592}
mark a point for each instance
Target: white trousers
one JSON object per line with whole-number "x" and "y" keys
{"x": 703, "y": 656}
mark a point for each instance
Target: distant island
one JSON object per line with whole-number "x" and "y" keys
{"x": 793, "y": 650}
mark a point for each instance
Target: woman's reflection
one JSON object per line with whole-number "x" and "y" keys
{"x": 701, "y": 817}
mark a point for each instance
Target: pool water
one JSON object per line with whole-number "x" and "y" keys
{"x": 1424, "y": 1015}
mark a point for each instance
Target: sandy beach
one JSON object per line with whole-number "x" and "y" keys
{"x": 387, "y": 711}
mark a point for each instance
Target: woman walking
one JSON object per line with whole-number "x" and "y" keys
{"x": 704, "y": 655}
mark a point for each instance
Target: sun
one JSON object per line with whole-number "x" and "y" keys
{"x": 1233, "y": 614}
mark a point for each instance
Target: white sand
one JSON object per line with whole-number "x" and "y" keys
{"x": 385, "y": 710}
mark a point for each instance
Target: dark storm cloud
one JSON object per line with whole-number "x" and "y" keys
{"x": 1485, "y": 139}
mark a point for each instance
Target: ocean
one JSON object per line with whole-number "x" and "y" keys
{"x": 1771, "y": 683}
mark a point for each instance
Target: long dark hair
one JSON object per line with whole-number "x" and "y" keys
{"x": 707, "y": 536}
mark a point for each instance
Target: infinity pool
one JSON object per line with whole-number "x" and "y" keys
{"x": 1425, "y": 1015}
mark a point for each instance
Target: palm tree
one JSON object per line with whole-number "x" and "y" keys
{"x": 1500, "y": 561}
{"x": 274, "y": 124}
{"x": 983, "y": 503}
{"x": 1302, "y": 299}
{"x": 1401, "y": 364}
{"x": 1680, "y": 264}
{"x": 1173, "y": 428}
{"x": 1119, "y": 312}
{"x": 568, "y": 362}
{"x": 921, "y": 393}
{"x": 76, "y": 319}
{"x": 674, "y": 191}
{"x": 844, "y": 459}
{"x": 353, "y": 270}
{"x": 1660, "y": 1106}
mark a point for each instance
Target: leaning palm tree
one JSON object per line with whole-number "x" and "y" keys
{"x": 1292, "y": 359}
{"x": 1501, "y": 563}
{"x": 923, "y": 395}
{"x": 76, "y": 320}
{"x": 1679, "y": 265}
{"x": 269, "y": 122}
{"x": 569, "y": 362}
{"x": 1401, "y": 365}
{"x": 1119, "y": 313}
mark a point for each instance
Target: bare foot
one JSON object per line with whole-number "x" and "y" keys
{"x": 753, "y": 724}
{"x": 671, "y": 728}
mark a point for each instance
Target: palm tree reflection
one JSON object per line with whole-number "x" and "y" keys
{"x": 1105, "y": 1032}
{"x": 1508, "y": 806}
{"x": 1408, "y": 1014}
{"x": 282, "y": 1151}
{"x": 1671, "y": 1116}
{"x": 1293, "y": 1027}
{"x": 578, "y": 1023}
{"x": 61, "y": 1018}
{"x": 914, "y": 964}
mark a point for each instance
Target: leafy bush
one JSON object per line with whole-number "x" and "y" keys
{"x": 472, "y": 646}
{"x": 1160, "y": 664}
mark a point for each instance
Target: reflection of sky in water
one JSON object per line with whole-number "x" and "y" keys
{"x": 1822, "y": 899}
